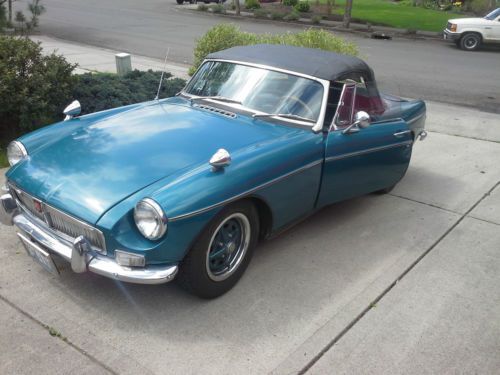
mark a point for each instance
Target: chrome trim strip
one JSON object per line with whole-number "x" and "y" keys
{"x": 248, "y": 192}
{"x": 325, "y": 83}
{"x": 367, "y": 151}
{"x": 416, "y": 118}
{"x": 100, "y": 264}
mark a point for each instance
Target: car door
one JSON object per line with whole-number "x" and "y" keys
{"x": 492, "y": 30}
{"x": 362, "y": 160}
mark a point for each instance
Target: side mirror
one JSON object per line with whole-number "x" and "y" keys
{"x": 361, "y": 121}
{"x": 72, "y": 110}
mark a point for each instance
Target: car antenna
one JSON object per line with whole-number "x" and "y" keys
{"x": 162, "y": 74}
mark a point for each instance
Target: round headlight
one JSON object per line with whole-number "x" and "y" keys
{"x": 16, "y": 152}
{"x": 150, "y": 219}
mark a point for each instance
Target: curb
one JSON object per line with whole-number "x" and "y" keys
{"x": 304, "y": 22}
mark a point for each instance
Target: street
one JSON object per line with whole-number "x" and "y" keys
{"x": 432, "y": 70}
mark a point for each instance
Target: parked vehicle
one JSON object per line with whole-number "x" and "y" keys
{"x": 259, "y": 138}
{"x": 470, "y": 33}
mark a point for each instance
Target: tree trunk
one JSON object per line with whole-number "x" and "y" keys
{"x": 237, "y": 6}
{"x": 10, "y": 12}
{"x": 347, "y": 13}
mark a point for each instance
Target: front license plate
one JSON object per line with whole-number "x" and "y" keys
{"x": 38, "y": 254}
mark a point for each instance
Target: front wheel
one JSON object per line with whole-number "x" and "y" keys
{"x": 222, "y": 253}
{"x": 470, "y": 42}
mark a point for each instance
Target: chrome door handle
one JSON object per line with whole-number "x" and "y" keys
{"x": 402, "y": 133}
{"x": 488, "y": 28}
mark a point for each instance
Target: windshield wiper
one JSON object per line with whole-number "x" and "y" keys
{"x": 285, "y": 115}
{"x": 217, "y": 98}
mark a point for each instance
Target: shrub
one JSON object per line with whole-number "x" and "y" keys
{"x": 202, "y": 7}
{"x": 34, "y": 88}
{"x": 290, "y": 3}
{"x": 302, "y": 6}
{"x": 252, "y": 4}
{"x": 292, "y": 16}
{"x": 218, "y": 8}
{"x": 277, "y": 15}
{"x": 225, "y": 36}
{"x": 316, "y": 19}
{"x": 100, "y": 91}
{"x": 260, "y": 13}
{"x": 480, "y": 7}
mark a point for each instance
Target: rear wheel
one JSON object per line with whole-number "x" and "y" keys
{"x": 222, "y": 253}
{"x": 180, "y": 2}
{"x": 470, "y": 41}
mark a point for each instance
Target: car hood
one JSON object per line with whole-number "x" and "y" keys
{"x": 468, "y": 21}
{"x": 100, "y": 163}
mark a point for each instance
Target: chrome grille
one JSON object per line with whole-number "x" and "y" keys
{"x": 29, "y": 203}
{"x": 58, "y": 221}
{"x": 217, "y": 110}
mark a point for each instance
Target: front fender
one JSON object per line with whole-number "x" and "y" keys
{"x": 285, "y": 173}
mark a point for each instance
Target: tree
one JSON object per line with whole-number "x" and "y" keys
{"x": 347, "y": 13}
{"x": 237, "y": 6}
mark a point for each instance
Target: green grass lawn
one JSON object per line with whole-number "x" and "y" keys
{"x": 398, "y": 14}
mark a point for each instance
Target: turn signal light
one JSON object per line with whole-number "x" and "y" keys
{"x": 129, "y": 260}
{"x": 453, "y": 27}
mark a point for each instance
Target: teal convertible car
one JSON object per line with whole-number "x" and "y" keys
{"x": 185, "y": 187}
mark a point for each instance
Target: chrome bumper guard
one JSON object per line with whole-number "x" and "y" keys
{"x": 79, "y": 253}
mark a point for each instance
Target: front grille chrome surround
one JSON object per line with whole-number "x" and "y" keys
{"x": 58, "y": 222}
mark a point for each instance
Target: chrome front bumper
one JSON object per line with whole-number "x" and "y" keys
{"x": 79, "y": 253}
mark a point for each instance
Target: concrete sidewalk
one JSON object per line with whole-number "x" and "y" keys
{"x": 400, "y": 283}
{"x": 95, "y": 59}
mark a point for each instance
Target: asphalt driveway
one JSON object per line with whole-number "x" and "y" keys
{"x": 373, "y": 284}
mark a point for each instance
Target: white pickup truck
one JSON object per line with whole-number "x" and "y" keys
{"x": 470, "y": 33}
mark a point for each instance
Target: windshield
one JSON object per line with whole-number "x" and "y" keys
{"x": 491, "y": 16}
{"x": 258, "y": 89}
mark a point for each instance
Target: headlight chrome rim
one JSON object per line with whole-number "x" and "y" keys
{"x": 16, "y": 146}
{"x": 159, "y": 217}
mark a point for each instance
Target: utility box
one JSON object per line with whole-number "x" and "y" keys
{"x": 123, "y": 63}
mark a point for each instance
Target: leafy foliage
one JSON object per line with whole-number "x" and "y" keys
{"x": 277, "y": 15}
{"x": 260, "y": 13}
{"x": 217, "y": 8}
{"x": 252, "y": 4}
{"x": 292, "y": 16}
{"x": 100, "y": 91}
{"x": 302, "y": 6}
{"x": 225, "y": 36}
{"x": 34, "y": 88}
{"x": 290, "y": 3}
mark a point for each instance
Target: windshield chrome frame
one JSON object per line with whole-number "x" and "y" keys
{"x": 317, "y": 127}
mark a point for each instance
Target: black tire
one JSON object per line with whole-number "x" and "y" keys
{"x": 180, "y": 2}
{"x": 198, "y": 272}
{"x": 470, "y": 41}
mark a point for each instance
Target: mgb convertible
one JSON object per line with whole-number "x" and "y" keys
{"x": 185, "y": 187}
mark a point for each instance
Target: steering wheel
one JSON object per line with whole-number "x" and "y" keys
{"x": 301, "y": 102}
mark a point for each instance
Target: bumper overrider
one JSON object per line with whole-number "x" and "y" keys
{"x": 79, "y": 253}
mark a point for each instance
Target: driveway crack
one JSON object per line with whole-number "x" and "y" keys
{"x": 55, "y": 334}
{"x": 372, "y": 304}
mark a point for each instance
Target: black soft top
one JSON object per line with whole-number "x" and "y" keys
{"x": 313, "y": 62}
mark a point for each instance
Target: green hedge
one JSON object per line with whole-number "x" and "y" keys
{"x": 35, "y": 89}
{"x": 225, "y": 36}
{"x": 100, "y": 91}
